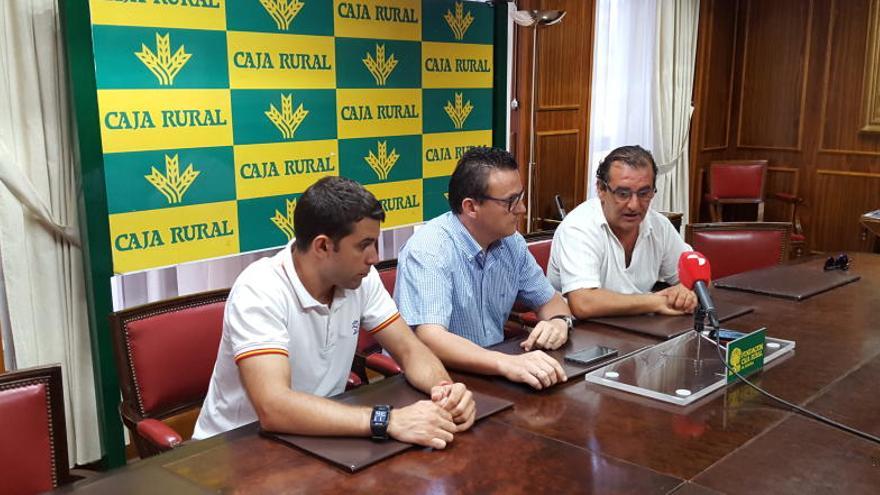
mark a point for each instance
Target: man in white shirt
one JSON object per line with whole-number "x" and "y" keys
{"x": 609, "y": 252}
{"x": 290, "y": 333}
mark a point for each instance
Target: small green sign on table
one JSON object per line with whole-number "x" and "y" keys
{"x": 745, "y": 355}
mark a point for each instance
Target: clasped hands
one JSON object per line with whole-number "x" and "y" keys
{"x": 676, "y": 300}
{"x": 433, "y": 423}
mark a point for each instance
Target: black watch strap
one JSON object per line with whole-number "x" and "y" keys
{"x": 379, "y": 419}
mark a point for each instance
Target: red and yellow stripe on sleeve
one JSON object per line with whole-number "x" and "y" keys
{"x": 259, "y": 352}
{"x": 391, "y": 319}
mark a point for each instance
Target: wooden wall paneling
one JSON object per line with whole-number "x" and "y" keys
{"x": 556, "y": 148}
{"x": 845, "y": 197}
{"x": 842, "y": 109}
{"x": 563, "y": 99}
{"x": 718, "y": 94}
{"x": 773, "y": 80}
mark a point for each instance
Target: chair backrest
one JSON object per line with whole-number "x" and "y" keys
{"x": 388, "y": 273}
{"x": 734, "y": 247}
{"x": 541, "y": 252}
{"x": 741, "y": 180}
{"x": 165, "y": 352}
{"x": 33, "y": 449}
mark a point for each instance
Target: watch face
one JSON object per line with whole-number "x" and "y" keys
{"x": 380, "y": 416}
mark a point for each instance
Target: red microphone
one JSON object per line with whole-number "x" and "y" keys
{"x": 695, "y": 273}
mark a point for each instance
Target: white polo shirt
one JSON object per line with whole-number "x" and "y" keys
{"x": 586, "y": 254}
{"x": 269, "y": 311}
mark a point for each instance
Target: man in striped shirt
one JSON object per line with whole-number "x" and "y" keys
{"x": 459, "y": 276}
{"x": 291, "y": 327}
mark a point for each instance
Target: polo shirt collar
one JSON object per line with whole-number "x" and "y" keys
{"x": 306, "y": 300}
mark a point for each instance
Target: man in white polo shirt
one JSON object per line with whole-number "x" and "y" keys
{"x": 609, "y": 252}
{"x": 291, "y": 326}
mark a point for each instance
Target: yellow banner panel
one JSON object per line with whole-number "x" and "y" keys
{"x": 283, "y": 168}
{"x": 149, "y": 119}
{"x": 378, "y": 112}
{"x": 153, "y": 238}
{"x": 382, "y": 19}
{"x": 402, "y": 201}
{"x": 456, "y": 65}
{"x": 280, "y": 61}
{"x": 194, "y": 14}
{"x": 441, "y": 151}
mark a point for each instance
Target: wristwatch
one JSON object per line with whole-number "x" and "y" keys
{"x": 568, "y": 319}
{"x": 379, "y": 422}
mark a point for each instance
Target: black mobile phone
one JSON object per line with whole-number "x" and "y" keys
{"x": 590, "y": 355}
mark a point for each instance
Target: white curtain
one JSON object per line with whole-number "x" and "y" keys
{"x": 675, "y": 54}
{"x": 643, "y": 71}
{"x": 40, "y": 259}
{"x": 623, "y": 70}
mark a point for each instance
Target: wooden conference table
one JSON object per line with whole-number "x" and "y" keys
{"x": 581, "y": 438}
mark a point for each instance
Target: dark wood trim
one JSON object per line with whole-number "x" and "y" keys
{"x": 846, "y": 173}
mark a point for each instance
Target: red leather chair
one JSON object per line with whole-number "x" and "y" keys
{"x": 734, "y": 247}
{"x": 33, "y": 450}
{"x": 165, "y": 353}
{"x": 369, "y": 353}
{"x": 736, "y": 182}
{"x": 539, "y": 244}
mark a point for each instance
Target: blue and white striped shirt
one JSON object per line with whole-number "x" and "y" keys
{"x": 444, "y": 278}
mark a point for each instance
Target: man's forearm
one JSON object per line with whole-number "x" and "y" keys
{"x": 458, "y": 352}
{"x": 423, "y": 369}
{"x": 306, "y": 414}
{"x": 555, "y": 306}
{"x": 590, "y": 303}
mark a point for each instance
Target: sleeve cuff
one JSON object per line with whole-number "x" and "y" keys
{"x": 391, "y": 319}
{"x": 259, "y": 352}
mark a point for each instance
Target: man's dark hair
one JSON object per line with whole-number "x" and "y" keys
{"x": 331, "y": 207}
{"x": 633, "y": 156}
{"x": 471, "y": 176}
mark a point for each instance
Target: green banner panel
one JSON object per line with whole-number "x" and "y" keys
{"x": 279, "y": 116}
{"x": 435, "y": 193}
{"x": 375, "y": 160}
{"x": 148, "y": 180}
{"x": 376, "y": 63}
{"x": 280, "y": 16}
{"x": 457, "y": 22}
{"x": 266, "y": 222}
{"x": 128, "y": 57}
{"x": 456, "y": 110}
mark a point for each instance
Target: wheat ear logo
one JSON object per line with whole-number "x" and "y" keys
{"x": 285, "y": 222}
{"x": 282, "y": 11}
{"x": 382, "y": 162}
{"x": 459, "y": 23}
{"x": 287, "y": 121}
{"x": 458, "y": 112}
{"x": 162, "y": 64}
{"x": 172, "y": 184}
{"x": 380, "y": 67}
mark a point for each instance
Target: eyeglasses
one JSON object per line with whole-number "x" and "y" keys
{"x": 623, "y": 194}
{"x": 840, "y": 262}
{"x": 510, "y": 202}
